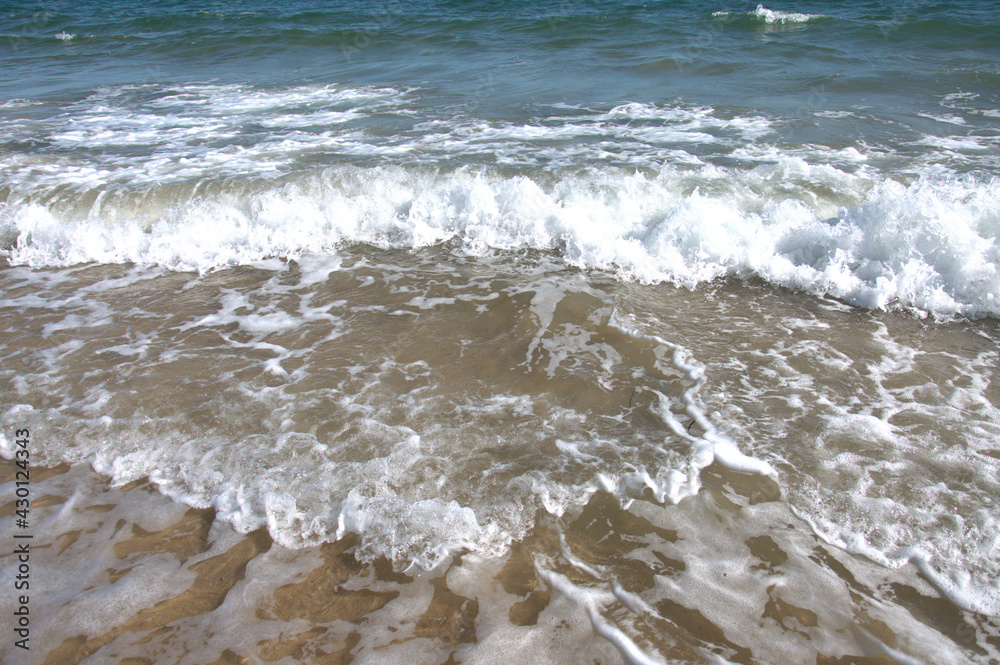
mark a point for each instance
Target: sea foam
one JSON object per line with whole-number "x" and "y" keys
{"x": 773, "y": 16}
{"x": 928, "y": 245}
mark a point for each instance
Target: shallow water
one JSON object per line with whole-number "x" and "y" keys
{"x": 583, "y": 432}
{"x": 677, "y": 322}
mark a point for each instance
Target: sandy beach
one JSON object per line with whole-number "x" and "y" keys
{"x": 124, "y": 575}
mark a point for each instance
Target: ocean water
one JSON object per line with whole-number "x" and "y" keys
{"x": 507, "y": 281}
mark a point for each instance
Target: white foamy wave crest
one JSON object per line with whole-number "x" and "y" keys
{"x": 773, "y": 16}
{"x": 874, "y": 242}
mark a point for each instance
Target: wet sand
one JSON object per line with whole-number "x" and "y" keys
{"x": 522, "y": 426}
{"x": 124, "y": 575}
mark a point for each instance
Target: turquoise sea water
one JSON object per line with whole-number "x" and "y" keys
{"x": 338, "y": 267}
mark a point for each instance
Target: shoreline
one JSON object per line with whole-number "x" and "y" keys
{"x": 126, "y": 575}
{"x": 242, "y": 598}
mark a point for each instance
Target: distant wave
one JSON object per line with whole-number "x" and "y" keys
{"x": 773, "y": 16}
